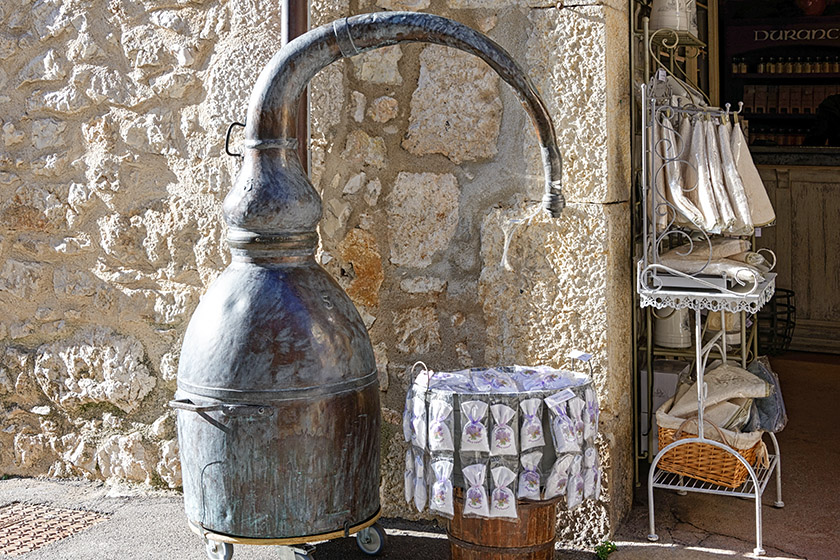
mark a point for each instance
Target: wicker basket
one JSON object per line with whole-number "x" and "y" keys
{"x": 704, "y": 461}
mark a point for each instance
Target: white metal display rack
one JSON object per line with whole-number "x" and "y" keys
{"x": 659, "y": 286}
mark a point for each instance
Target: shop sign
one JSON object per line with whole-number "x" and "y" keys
{"x": 785, "y": 35}
{"x": 748, "y": 38}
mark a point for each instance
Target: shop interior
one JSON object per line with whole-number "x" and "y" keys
{"x": 721, "y": 86}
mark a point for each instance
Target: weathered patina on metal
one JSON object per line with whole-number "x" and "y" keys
{"x": 278, "y": 401}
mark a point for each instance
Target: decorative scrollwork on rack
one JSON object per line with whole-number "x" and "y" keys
{"x": 679, "y": 255}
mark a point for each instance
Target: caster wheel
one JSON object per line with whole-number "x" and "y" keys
{"x": 217, "y": 550}
{"x": 371, "y": 540}
{"x": 306, "y": 552}
{"x": 653, "y": 537}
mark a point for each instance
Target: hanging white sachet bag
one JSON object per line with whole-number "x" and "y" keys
{"x": 529, "y": 478}
{"x": 441, "y": 501}
{"x": 558, "y": 478}
{"x": 575, "y": 486}
{"x": 418, "y": 422}
{"x": 531, "y": 432}
{"x": 687, "y": 211}
{"x": 420, "y": 493}
{"x": 734, "y": 185}
{"x": 591, "y": 475}
{"x": 576, "y": 406}
{"x": 724, "y": 207}
{"x": 440, "y": 430}
{"x": 503, "y": 502}
{"x": 503, "y": 439}
{"x": 474, "y": 433}
{"x": 563, "y": 429}
{"x": 409, "y": 476}
{"x": 591, "y": 415}
{"x": 761, "y": 210}
{"x": 407, "y": 410}
{"x": 701, "y": 189}
{"x": 475, "y": 500}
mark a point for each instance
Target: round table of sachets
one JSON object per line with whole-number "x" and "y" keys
{"x": 488, "y": 447}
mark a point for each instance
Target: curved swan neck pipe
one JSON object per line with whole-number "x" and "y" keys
{"x": 272, "y": 110}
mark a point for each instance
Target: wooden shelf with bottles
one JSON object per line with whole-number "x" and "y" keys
{"x": 783, "y": 69}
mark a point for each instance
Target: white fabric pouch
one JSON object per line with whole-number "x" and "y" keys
{"x": 531, "y": 432}
{"x": 441, "y": 501}
{"x": 440, "y": 422}
{"x": 591, "y": 415}
{"x": 591, "y": 475}
{"x": 529, "y": 478}
{"x": 475, "y": 500}
{"x": 576, "y": 406}
{"x": 575, "y": 487}
{"x": 558, "y": 478}
{"x": 563, "y": 429}
{"x": 503, "y": 440}
{"x": 418, "y": 422}
{"x": 409, "y": 476}
{"x": 503, "y": 503}
{"x": 420, "y": 493}
{"x": 474, "y": 432}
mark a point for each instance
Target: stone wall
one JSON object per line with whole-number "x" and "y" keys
{"x": 112, "y": 176}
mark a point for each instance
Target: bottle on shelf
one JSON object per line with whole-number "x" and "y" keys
{"x": 736, "y": 67}
{"x": 771, "y": 66}
{"x": 742, "y": 66}
{"x": 807, "y": 68}
{"x": 760, "y": 68}
{"x": 835, "y": 66}
{"x": 788, "y": 65}
{"x": 780, "y": 66}
{"x": 797, "y": 66}
{"x": 826, "y": 66}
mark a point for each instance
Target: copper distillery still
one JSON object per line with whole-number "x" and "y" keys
{"x": 278, "y": 397}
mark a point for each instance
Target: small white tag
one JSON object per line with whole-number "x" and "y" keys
{"x": 661, "y": 75}
{"x": 562, "y": 396}
{"x": 578, "y": 355}
{"x": 758, "y": 232}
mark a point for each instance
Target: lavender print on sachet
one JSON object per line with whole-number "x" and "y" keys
{"x": 503, "y": 439}
{"x": 474, "y": 432}
{"x": 531, "y": 431}
{"x": 475, "y": 499}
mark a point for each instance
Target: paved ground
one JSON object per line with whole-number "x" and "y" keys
{"x": 692, "y": 527}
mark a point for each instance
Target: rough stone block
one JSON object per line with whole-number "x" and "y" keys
{"x": 359, "y": 249}
{"x": 383, "y": 109}
{"x": 578, "y": 59}
{"x": 96, "y": 365}
{"x": 422, "y": 216}
{"x": 379, "y": 66}
{"x": 455, "y": 110}
{"x": 417, "y": 330}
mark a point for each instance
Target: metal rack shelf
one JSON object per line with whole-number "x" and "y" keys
{"x": 659, "y": 286}
{"x": 749, "y": 299}
{"x": 670, "y": 481}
